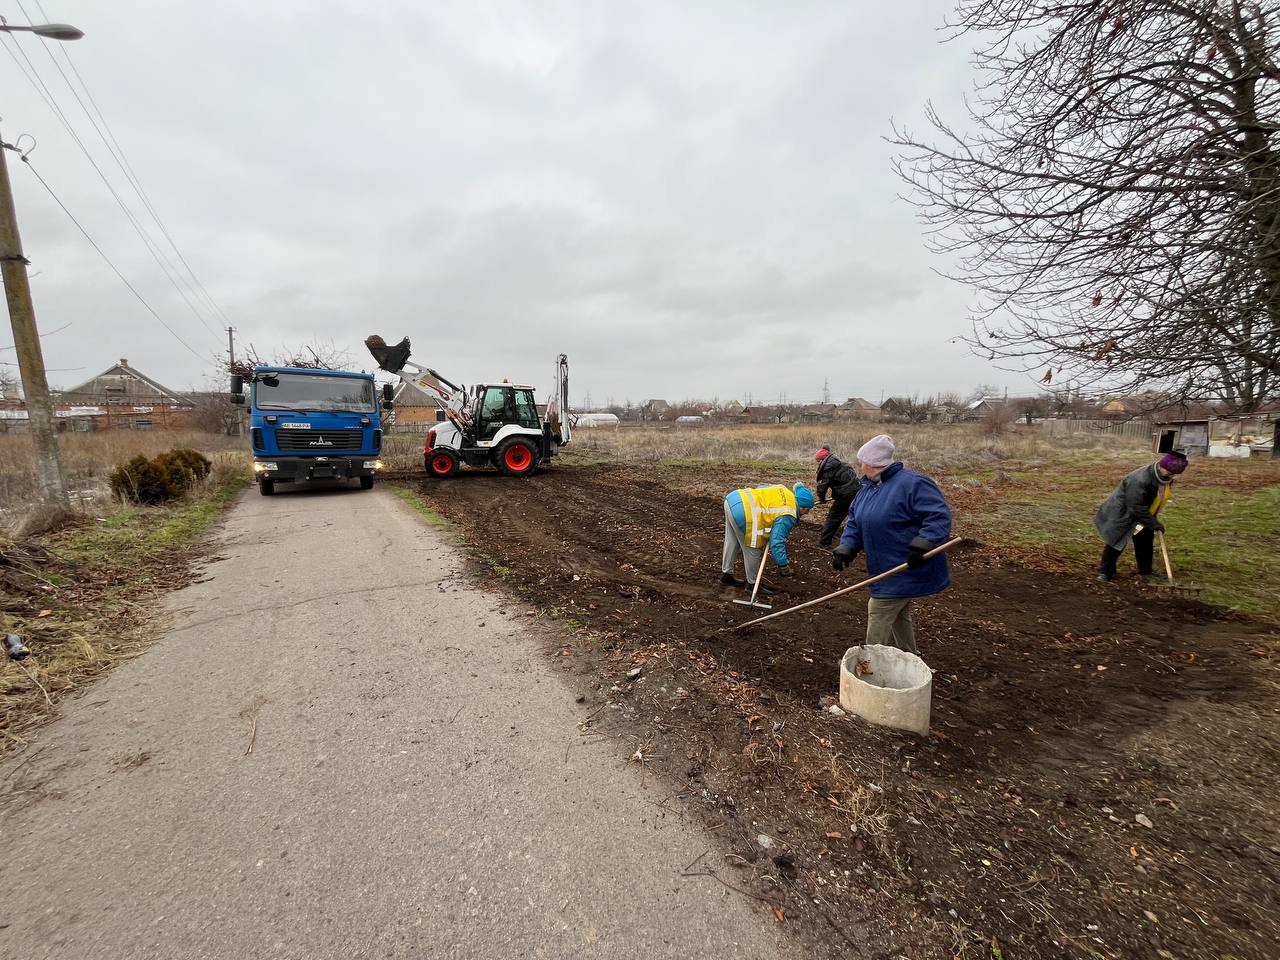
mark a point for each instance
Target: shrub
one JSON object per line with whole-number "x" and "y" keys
{"x": 185, "y": 461}
{"x": 162, "y": 479}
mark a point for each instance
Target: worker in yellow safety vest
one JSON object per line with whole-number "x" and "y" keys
{"x": 754, "y": 516}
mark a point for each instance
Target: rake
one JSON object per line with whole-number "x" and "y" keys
{"x": 1184, "y": 591}
{"x": 764, "y": 555}
{"x": 857, "y": 586}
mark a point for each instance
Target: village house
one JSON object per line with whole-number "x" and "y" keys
{"x": 817, "y": 413}
{"x": 1207, "y": 432}
{"x": 119, "y": 398}
{"x": 855, "y": 408}
{"x": 655, "y": 410}
{"x": 895, "y": 409}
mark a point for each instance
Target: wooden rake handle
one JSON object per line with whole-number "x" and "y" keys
{"x": 1164, "y": 552}
{"x": 857, "y": 586}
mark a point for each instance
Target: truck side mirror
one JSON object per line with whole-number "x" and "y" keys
{"x": 388, "y": 397}
{"x": 237, "y": 388}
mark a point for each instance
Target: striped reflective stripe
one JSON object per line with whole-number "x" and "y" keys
{"x": 760, "y": 518}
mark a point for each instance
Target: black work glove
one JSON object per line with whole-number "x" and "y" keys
{"x": 841, "y": 557}
{"x": 1155, "y": 526}
{"x": 916, "y": 550}
{"x": 785, "y": 570}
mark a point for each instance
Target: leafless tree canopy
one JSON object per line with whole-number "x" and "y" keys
{"x": 318, "y": 356}
{"x": 1116, "y": 199}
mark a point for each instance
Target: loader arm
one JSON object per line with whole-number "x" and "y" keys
{"x": 448, "y": 396}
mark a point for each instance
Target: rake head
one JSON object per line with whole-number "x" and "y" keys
{"x": 1183, "y": 591}
{"x": 754, "y": 603}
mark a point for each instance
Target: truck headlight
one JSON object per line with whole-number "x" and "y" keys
{"x": 259, "y": 466}
{"x": 373, "y": 464}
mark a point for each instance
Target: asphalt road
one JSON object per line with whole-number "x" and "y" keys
{"x": 417, "y": 786}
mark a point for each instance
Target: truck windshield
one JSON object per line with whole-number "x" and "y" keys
{"x": 301, "y": 391}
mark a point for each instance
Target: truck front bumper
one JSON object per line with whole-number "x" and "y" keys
{"x": 299, "y": 469}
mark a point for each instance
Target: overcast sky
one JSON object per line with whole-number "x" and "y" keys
{"x": 689, "y": 200}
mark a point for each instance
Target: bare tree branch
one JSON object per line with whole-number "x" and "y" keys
{"x": 1115, "y": 203}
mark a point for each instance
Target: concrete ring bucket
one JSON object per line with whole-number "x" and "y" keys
{"x": 887, "y": 686}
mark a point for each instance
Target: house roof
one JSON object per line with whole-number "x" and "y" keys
{"x": 404, "y": 397}
{"x": 860, "y": 404}
{"x": 122, "y": 369}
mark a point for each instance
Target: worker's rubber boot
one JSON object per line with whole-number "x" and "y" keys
{"x": 764, "y": 591}
{"x": 729, "y": 580}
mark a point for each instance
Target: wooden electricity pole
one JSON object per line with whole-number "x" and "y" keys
{"x": 26, "y": 341}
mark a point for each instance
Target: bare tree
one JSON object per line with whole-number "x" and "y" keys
{"x": 310, "y": 356}
{"x": 919, "y": 409}
{"x": 1116, "y": 205}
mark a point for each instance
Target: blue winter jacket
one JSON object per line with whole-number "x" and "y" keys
{"x": 888, "y": 513}
{"x": 782, "y": 528}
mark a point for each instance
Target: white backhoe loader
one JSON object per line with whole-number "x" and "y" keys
{"x": 488, "y": 425}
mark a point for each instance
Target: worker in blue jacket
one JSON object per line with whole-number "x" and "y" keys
{"x": 898, "y": 516}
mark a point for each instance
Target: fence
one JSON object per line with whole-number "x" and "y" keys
{"x": 1131, "y": 429}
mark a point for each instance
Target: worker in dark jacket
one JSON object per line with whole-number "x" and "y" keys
{"x": 1135, "y": 503}
{"x": 898, "y": 517}
{"x": 837, "y": 478}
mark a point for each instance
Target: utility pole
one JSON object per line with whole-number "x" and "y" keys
{"x": 231, "y": 347}
{"x": 26, "y": 341}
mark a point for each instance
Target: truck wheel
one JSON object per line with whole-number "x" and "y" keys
{"x": 366, "y": 483}
{"x": 266, "y": 487}
{"x": 441, "y": 463}
{"x": 517, "y": 458}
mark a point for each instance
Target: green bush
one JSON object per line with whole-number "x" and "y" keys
{"x": 162, "y": 479}
{"x": 186, "y": 462}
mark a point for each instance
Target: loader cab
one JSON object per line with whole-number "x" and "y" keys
{"x": 500, "y": 404}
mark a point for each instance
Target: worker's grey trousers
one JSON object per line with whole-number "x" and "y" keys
{"x": 889, "y": 622}
{"x": 735, "y": 542}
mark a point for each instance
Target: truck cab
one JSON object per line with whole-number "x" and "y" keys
{"x": 307, "y": 424}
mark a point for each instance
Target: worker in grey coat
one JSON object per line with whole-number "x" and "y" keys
{"x": 1136, "y": 502}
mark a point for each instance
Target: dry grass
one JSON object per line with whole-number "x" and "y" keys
{"x": 87, "y": 459}
{"x": 932, "y": 448}
{"x": 945, "y": 449}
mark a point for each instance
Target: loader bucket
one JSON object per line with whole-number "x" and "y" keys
{"x": 390, "y": 359}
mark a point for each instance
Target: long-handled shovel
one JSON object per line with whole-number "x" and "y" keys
{"x": 764, "y": 555}
{"x": 857, "y": 586}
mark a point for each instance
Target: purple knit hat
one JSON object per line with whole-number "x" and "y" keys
{"x": 1172, "y": 462}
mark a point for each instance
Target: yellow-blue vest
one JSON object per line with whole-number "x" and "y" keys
{"x": 762, "y": 506}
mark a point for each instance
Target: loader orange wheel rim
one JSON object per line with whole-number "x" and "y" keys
{"x": 441, "y": 464}
{"x": 518, "y": 457}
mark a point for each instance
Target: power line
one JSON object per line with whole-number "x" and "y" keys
{"x": 117, "y": 153}
{"x": 107, "y": 259}
{"x": 37, "y": 82}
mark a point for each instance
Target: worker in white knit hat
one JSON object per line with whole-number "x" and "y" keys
{"x": 897, "y": 517}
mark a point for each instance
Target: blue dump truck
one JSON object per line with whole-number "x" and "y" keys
{"x": 307, "y": 424}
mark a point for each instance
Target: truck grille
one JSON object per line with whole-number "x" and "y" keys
{"x": 318, "y": 441}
